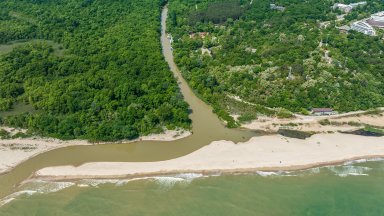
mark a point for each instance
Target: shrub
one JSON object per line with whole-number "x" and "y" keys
{"x": 325, "y": 122}
{"x": 284, "y": 113}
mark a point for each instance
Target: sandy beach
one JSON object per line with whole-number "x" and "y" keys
{"x": 341, "y": 122}
{"x": 16, "y": 151}
{"x": 264, "y": 153}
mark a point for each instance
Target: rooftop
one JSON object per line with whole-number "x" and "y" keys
{"x": 322, "y": 110}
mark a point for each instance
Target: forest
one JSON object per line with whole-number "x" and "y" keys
{"x": 275, "y": 63}
{"x": 108, "y": 82}
{"x": 217, "y": 12}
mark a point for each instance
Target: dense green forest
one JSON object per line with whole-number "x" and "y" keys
{"x": 110, "y": 81}
{"x": 271, "y": 62}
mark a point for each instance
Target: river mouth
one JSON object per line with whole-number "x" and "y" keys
{"x": 206, "y": 128}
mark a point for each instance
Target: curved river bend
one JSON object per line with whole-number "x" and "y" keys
{"x": 206, "y": 128}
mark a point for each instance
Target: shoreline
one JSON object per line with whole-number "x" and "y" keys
{"x": 16, "y": 151}
{"x": 267, "y": 153}
{"x": 219, "y": 172}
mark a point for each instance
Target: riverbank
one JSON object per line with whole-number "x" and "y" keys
{"x": 16, "y": 151}
{"x": 266, "y": 153}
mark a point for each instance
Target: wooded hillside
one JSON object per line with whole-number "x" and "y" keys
{"x": 290, "y": 60}
{"x": 110, "y": 83}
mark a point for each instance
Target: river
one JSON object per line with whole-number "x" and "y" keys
{"x": 349, "y": 189}
{"x": 205, "y": 125}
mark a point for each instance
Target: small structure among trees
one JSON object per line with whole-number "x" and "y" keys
{"x": 322, "y": 111}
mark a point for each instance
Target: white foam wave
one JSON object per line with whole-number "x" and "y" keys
{"x": 167, "y": 181}
{"x": 183, "y": 179}
{"x": 349, "y": 170}
{"x": 162, "y": 180}
{"x": 50, "y": 187}
{"x": 276, "y": 174}
{"x": 189, "y": 176}
{"x": 363, "y": 161}
{"x": 6, "y": 201}
{"x": 96, "y": 182}
{"x": 315, "y": 170}
{"x": 265, "y": 174}
{"x": 13, "y": 196}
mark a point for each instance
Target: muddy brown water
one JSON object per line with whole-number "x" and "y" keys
{"x": 205, "y": 125}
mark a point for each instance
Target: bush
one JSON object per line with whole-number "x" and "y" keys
{"x": 295, "y": 134}
{"x": 20, "y": 135}
{"x": 247, "y": 117}
{"x": 325, "y": 122}
{"x": 284, "y": 113}
{"x": 4, "y": 134}
{"x": 304, "y": 111}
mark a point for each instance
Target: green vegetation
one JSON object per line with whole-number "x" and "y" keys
{"x": 4, "y": 134}
{"x": 112, "y": 82}
{"x": 374, "y": 130}
{"x": 295, "y": 134}
{"x": 217, "y": 12}
{"x": 271, "y": 58}
{"x": 58, "y": 50}
{"x": 368, "y": 131}
{"x": 325, "y": 122}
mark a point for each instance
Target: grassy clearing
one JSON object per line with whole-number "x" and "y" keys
{"x": 18, "y": 108}
{"x": 58, "y": 49}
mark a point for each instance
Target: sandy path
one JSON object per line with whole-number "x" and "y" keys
{"x": 260, "y": 153}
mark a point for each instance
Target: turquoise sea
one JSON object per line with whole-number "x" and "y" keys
{"x": 351, "y": 189}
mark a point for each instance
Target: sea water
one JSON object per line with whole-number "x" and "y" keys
{"x": 350, "y": 189}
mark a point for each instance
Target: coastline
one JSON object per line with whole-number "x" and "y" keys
{"x": 266, "y": 153}
{"x": 16, "y": 151}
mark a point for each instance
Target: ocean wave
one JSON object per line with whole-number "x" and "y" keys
{"x": 349, "y": 170}
{"x": 97, "y": 182}
{"x": 311, "y": 171}
{"x": 190, "y": 176}
{"x": 275, "y": 174}
{"x": 48, "y": 186}
{"x": 265, "y": 174}
{"x": 167, "y": 181}
{"x": 363, "y": 161}
{"x": 161, "y": 180}
{"x": 13, "y": 196}
{"x": 183, "y": 179}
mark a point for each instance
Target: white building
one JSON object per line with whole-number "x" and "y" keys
{"x": 343, "y": 7}
{"x": 348, "y": 8}
{"x": 276, "y": 7}
{"x": 377, "y": 20}
{"x": 354, "y": 5}
{"x": 363, "y": 27}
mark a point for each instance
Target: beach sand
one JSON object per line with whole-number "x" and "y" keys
{"x": 16, "y": 151}
{"x": 264, "y": 153}
{"x": 342, "y": 122}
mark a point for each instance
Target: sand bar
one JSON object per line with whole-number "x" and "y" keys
{"x": 260, "y": 153}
